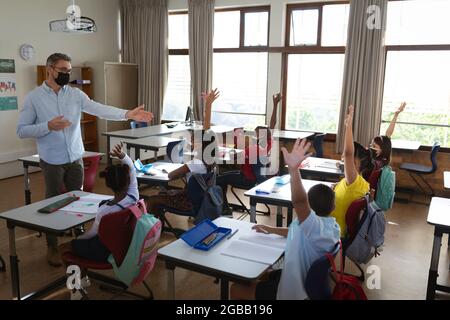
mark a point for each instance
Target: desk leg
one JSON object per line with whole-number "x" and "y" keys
{"x": 137, "y": 153}
{"x": 224, "y": 289}
{"x": 108, "y": 148}
{"x": 289, "y": 217}
{"x": 279, "y": 217}
{"x": 14, "y": 263}
{"x": 27, "y": 184}
{"x": 170, "y": 281}
{"x": 252, "y": 210}
{"x": 434, "y": 265}
{"x": 129, "y": 152}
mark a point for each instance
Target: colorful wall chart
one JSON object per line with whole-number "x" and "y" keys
{"x": 8, "y": 89}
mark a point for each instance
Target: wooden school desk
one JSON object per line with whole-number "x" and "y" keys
{"x": 281, "y": 199}
{"x": 322, "y": 168}
{"x": 33, "y": 161}
{"x": 212, "y": 262}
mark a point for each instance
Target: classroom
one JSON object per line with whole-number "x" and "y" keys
{"x": 224, "y": 150}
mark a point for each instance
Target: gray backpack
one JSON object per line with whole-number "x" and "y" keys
{"x": 370, "y": 235}
{"x": 211, "y": 205}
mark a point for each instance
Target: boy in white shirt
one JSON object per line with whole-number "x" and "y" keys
{"x": 309, "y": 237}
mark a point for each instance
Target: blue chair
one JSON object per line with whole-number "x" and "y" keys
{"x": 317, "y": 282}
{"x": 419, "y": 170}
{"x": 318, "y": 144}
{"x": 136, "y": 125}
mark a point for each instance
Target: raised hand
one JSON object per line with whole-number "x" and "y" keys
{"x": 117, "y": 151}
{"x": 349, "y": 118}
{"x": 139, "y": 114}
{"x": 401, "y": 108}
{"x": 58, "y": 124}
{"x": 211, "y": 96}
{"x": 277, "y": 98}
{"x": 299, "y": 153}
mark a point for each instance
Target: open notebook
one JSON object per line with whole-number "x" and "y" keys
{"x": 257, "y": 247}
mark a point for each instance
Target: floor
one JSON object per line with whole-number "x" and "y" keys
{"x": 403, "y": 264}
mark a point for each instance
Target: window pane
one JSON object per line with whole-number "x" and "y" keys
{"x": 335, "y": 23}
{"x": 242, "y": 81}
{"x": 421, "y": 78}
{"x": 178, "y": 31}
{"x": 304, "y": 27}
{"x": 238, "y": 120}
{"x": 314, "y": 91}
{"x": 256, "y": 28}
{"x": 227, "y": 29}
{"x": 178, "y": 93}
{"x": 418, "y": 22}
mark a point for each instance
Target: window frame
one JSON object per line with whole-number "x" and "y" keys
{"x": 417, "y": 47}
{"x": 242, "y": 48}
{"x": 304, "y": 49}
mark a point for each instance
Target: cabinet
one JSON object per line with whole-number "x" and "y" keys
{"x": 88, "y": 124}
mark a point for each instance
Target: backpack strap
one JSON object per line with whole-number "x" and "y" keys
{"x": 333, "y": 264}
{"x": 139, "y": 209}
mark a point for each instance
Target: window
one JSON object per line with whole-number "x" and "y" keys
{"x": 418, "y": 71}
{"x": 178, "y": 92}
{"x": 240, "y": 66}
{"x": 314, "y": 66}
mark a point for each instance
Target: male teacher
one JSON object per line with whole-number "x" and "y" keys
{"x": 52, "y": 114}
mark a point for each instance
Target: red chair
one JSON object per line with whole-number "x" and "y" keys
{"x": 352, "y": 219}
{"x": 90, "y": 172}
{"x": 115, "y": 232}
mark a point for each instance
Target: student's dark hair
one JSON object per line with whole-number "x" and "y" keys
{"x": 269, "y": 132}
{"x": 321, "y": 199}
{"x": 54, "y": 58}
{"x": 117, "y": 177}
{"x": 386, "y": 149}
{"x": 365, "y": 157}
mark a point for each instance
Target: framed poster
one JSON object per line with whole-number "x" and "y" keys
{"x": 8, "y": 88}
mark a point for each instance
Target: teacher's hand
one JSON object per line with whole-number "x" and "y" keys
{"x": 139, "y": 114}
{"x": 58, "y": 124}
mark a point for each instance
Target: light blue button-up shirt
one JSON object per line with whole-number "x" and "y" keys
{"x": 43, "y": 104}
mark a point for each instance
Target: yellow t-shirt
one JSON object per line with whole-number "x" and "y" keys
{"x": 345, "y": 195}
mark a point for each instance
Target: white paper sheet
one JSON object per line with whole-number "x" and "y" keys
{"x": 87, "y": 204}
{"x": 253, "y": 252}
{"x": 270, "y": 240}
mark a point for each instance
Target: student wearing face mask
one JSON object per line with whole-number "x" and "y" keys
{"x": 51, "y": 114}
{"x": 381, "y": 146}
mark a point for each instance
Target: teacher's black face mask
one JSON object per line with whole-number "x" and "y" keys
{"x": 62, "y": 79}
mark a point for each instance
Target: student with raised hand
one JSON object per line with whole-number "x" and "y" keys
{"x": 201, "y": 164}
{"x": 309, "y": 237}
{"x": 121, "y": 179}
{"x": 357, "y": 163}
{"x": 381, "y": 146}
{"x": 260, "y": 148}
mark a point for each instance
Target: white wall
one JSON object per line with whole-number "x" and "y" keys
{"x": 26, "y": 21}
{"x": 276, "y": 36}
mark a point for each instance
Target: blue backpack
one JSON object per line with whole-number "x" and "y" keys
{"x": 386, "y": 189}
{"x": 206, "y": 196}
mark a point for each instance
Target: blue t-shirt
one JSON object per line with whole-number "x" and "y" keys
{"x": 306, "y": 242}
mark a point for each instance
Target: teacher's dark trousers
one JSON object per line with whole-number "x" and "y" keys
{"x": 68, "y": 177}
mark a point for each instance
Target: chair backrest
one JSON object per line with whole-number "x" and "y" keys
{"x": 317, "y": 283}
{"x": 174, "y": 151}
{"x": 373, "y": 179}
{"x": 318, "y": 144}
{"x": 90, "y": 172}
{"x": 352, "y": 218}
{"x": 433, "y": 156}
{"x": 116, "y": 231}
{"x": 135, "y": 124}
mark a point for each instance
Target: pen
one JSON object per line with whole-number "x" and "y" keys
{"x": 232, "y": 234}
